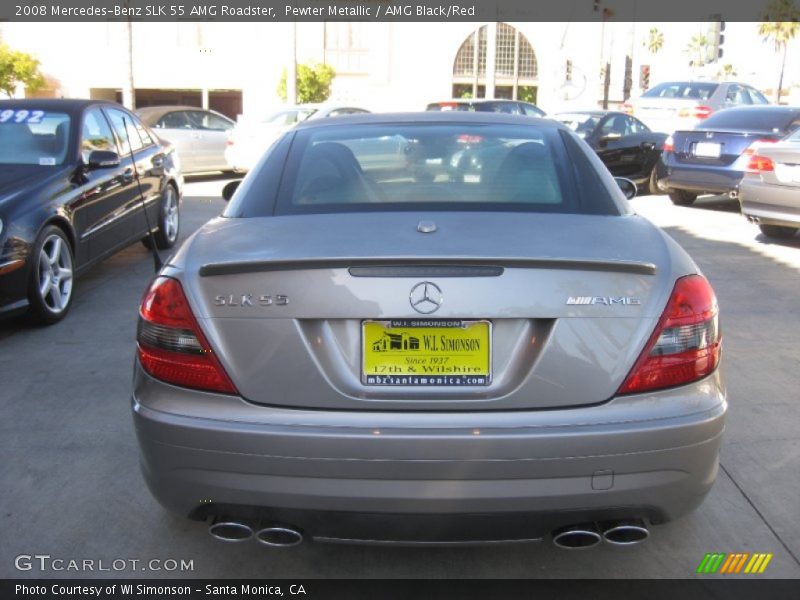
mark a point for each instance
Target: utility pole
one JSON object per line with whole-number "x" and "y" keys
{"x": 291, "y": 71}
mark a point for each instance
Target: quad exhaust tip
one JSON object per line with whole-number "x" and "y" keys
{"x": 577, "y": 537}
{"x": 626, "y": 533}
{"x": 279, "y": 536}
{"x": 227, "y": 530}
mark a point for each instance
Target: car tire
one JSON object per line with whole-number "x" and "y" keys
{"x": 653, "y": 187}
{"x": 169, "y": 221}
{"x": 682, "y": 197}
{"x": 778, "y": 231}
{"x": 50, "y": 283}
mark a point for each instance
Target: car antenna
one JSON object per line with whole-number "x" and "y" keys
{"x": 157, "y": 262}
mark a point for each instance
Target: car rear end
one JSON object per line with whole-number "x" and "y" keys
{"x": 770, "y": 189}
{"x": 713, "y": 157}
{"x": 450, "y": 374}
{"x": 673, "y": 106}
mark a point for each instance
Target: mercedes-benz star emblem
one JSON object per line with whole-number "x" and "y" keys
{"x": 426, "y": 297}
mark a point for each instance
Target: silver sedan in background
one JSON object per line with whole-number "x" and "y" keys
{"x": 770, "y": 190}
{"x": 199, "y": 135}
{"x": 430, "y": 328}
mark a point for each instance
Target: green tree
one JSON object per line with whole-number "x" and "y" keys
{"x": 726, "y": 72}
{"x": 18, "y": 67}
{"x": 697, "y": 49}
{"x": 654, "y": 41}
{"x": 779, "y": 27}
{"x": 313, "y": 83}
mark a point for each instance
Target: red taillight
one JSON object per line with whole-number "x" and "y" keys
{"x": 171, "y": 346}
{"x": 759, "y": 164}
{"x": 669, "y": 144}
{"x": 756, "y": 163}
{"x": 696, "y": 112}
{"x": 685, "y": 345}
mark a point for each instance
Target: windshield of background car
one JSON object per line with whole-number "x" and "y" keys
{"x": 581, "y": 124}
{"x": 682, "y": 90}
{"x": 33, "y": 137}
{"x": 774, "y": 120}
{"x": 289, "y": 117}
{"x": 436, "y": 166}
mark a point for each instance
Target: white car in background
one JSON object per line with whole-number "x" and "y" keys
{"x": 249, "y": 139}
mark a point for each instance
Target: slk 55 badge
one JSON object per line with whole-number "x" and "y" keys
{"x": 251, "y": 300}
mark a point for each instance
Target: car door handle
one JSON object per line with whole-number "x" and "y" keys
{"x": 647, "y": 145}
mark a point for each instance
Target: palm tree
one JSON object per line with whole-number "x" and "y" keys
{"x": 727, "y": 71}
{"x": 654, "y": 41}
{"x": 779, "y": 27}
{"x": 698, "y": 49}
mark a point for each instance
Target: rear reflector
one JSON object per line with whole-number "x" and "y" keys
{"x": 759, "y": 164}
{"x": 685, "y": 345}
{"x": 669, "y": 144}
{"x": 171, "y": 346}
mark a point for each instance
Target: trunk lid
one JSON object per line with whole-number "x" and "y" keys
{"x": 715, "y": 147}
{"x": 571, "y": 301}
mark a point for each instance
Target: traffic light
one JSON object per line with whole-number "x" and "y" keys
{"x": 644, "y": 77}
{"x": 717, "y": 37}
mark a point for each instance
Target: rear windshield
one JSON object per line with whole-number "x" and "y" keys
{"x": 33, "y": 137}
{"x": 581, "y": 123}
{"x": 774, "y": 120}
{"x": 432, "y": 166}
{"x": 686, "y": 90}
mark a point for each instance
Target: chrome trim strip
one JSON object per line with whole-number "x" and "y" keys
{"x": 576, "y": 264}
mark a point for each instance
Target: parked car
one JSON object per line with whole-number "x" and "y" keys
{"x": 510, "y": 107}
{"x": 75, "y": 176}
{"x": 712, "y": 158}
{"x": 356, "y": 350}
{"x": 675, "y": 105}
{"x": 249, "y": 140}
{"x": 625, "y": 145}
{"x": 200, "y": 136}
{"x": 770, "y": 190}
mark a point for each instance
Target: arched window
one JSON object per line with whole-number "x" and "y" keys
{"x": 514, "y": 72}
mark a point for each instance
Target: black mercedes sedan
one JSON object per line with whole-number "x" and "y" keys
{"x": 626, "y": 146}
{"x": 75, "y": 178}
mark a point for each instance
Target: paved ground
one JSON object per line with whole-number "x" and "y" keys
{"x": 71, "y": 488}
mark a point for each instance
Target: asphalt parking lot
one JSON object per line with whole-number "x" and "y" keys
{"x": 71, "y": 486}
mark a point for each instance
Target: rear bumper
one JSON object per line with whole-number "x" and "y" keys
{"x": 701, "y": 178}
{"x": 771, "y": 204}
{"x": 439, "y": 476}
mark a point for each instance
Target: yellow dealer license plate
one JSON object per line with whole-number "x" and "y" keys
{"x": 427, "y": 352}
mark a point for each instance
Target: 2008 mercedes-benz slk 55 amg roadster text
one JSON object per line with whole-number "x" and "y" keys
{"x": 429, "y": 328}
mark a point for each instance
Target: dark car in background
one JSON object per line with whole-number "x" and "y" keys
{"x": 625, "y": 145}
{"x": 74, "y": 178}
{"x": 509, "y": 107}
{"x": 199, "y": 135}
{"x": 712, "y": 158}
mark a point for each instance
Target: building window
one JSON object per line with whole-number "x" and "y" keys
{"x": 346, "y": 48}
{"x": 514, "y": 66}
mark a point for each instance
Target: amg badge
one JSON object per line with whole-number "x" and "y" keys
{"x": 605, "y": 300}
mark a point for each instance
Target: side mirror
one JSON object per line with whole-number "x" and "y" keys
{"x": 102, "y": 159}
{"x": 229, "y": 189}
{"x": 627, "y": 186}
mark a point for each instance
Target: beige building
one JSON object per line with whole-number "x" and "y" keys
{"x": 236, "y": 67}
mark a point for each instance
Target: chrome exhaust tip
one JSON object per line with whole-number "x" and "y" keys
{"x": 279, "y": 536}
{"x": 227, "y": 530}
{"x": 577, "y": 537}
{"x": 626, "y": 532}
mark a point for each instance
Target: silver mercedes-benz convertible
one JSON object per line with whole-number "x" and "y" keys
{"x": 429, "y": 328}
